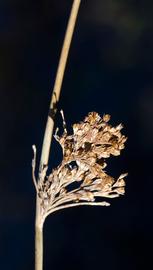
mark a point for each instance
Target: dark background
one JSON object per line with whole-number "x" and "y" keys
{"x": 110, "y": 70}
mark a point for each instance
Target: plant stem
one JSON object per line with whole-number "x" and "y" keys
{"x": 58, "y": 83}
{"x": 49, "y": 129}
{"x": 38, "y": 248}
{"x": 38, "y": 237}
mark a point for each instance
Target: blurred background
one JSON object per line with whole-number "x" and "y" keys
{"x": 110, "y": 70}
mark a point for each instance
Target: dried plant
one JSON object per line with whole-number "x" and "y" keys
{"x": 84, "y": 160}
{"x": 81, "y": 178}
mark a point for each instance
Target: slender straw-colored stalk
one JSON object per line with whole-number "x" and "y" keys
{"x": 39, "y": 248}
{"x": 38, "y": 238}
{"x": 76, "y": 204}
{"x": 49, "y": 128}
{"x": 58, "y": 84}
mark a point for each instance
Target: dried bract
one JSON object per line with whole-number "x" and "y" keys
{"x": 81, "y": 178}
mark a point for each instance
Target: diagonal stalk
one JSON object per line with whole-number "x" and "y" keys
{"x": 58, "y": 83}
{"x": 50, "y": 126}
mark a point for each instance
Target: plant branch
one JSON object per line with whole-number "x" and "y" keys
{"x": 76, "y": 204}
{"x": 58, "y": 83}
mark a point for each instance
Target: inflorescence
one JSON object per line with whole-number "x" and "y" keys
{"x": 84, "y": 159}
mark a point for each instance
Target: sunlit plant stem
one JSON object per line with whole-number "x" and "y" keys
{"x": 49, "y": 128}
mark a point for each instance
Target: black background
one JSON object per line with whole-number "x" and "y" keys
{"x": 109, "y": 70}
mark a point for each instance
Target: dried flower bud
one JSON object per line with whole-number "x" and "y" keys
{"x": 106, "y": 117}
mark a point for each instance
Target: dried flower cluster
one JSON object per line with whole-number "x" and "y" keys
{"x": 81, "y": 178}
